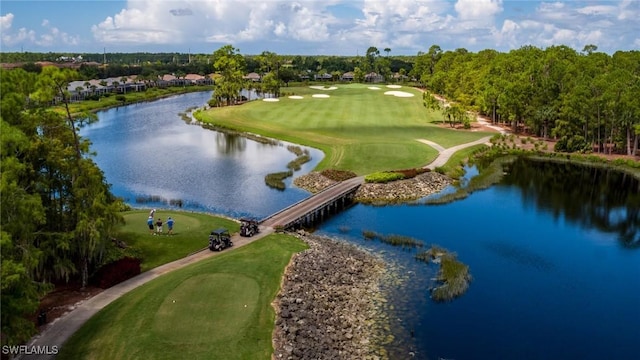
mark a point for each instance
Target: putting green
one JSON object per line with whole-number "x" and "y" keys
{"x": 220, "y": 306}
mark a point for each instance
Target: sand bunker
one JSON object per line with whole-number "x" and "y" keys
{"x": 324, "y": 96}
{"x": 323, "y": 88}
{"x": 374, "y": 88}
{"x": 271, "y": 99}
{"x": 296, "y": 97}
{"x": 394, "y": 86}
{"x": 399, "y": 94}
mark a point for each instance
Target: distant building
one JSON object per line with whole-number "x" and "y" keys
{"x": 253, "y": 77}
{"x": 348, "y": 76}
{"x": 373, "y": 77}
{"x": 324, "y": 77}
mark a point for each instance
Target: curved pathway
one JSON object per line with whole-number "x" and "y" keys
{"x": 445, "y": 154}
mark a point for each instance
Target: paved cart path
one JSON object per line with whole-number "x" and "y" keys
{"x": 445, "y": 154}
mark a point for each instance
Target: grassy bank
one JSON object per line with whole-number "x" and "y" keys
{"x": 219, "y": 308}
{"x": 190, "y": 233}
{"x": 357, "y": 128}
{"x": 132, "y": 97}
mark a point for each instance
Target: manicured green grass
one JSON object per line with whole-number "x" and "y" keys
{"x": 190, "y": 233}
{"x": 218, "y": 308}
{"x": 358, "y": 129}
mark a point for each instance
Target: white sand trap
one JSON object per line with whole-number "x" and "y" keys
{"x": 374, "y": 88}
{"x": 271, "y": 99}
{"x": 296, "y": 97}
{"x": 399, "y": 94}
{"x": 323, "y": 88}
{"x": 394, "y": 86}
{"x": 323, "y": 96}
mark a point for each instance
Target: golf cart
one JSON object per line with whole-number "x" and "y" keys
{"x": 248, "y": 227}
{"x": 219, "y": 240}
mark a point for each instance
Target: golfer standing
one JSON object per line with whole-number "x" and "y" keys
{"x": 150, "y": 224}
{"x": 170, "y": 225}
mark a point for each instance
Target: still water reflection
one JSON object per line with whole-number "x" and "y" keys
{"x": 147, "y": 150}
{"x": 555, "y": 264}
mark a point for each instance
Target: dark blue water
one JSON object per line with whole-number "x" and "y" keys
{"x": 555, "y": 263}
{"x": 147, "y": 150}
{"x": 546, "y": 285}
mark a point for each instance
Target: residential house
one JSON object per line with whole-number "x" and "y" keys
{"x": 253, "y": 77}
{"x": 373, "y": 77}
{"x": 348, "y": 76}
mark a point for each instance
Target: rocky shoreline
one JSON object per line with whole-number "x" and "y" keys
{"x": 329, "y": 305}
{"x": 393, "y": 192}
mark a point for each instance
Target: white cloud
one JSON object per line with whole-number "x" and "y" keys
{"x": 597, "y": 10}
{"x": 51, "y": 37}
{"x": 6, "y": 21}
{"x": 151, "y": 21}
{"x": 608, "y": 24}
{"x": 508, "y": 34}
{"x": 478, "y": 9}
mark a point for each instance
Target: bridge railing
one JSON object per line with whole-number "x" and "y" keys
{"x": 329, "y": 188}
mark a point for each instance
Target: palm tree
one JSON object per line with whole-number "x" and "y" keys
{"x": 123, "y": 81}
{"x": 79, "y": 92}
{"x": 387, "y": 50}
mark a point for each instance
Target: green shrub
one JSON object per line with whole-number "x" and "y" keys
{"x": 411, "y": 173}
{"x": 627, "y": 162}
{"x": 466, "y": 123}
{"x": 338, "y": 175}
{"x": 383, "y": 177}
{"x": 575, "y": 143}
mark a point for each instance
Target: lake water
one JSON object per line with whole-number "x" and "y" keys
{"x": 554, "y": 250}
{"x": 148, "y": 152}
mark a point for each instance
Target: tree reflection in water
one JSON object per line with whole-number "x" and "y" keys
{"x": 230, "y": 143}
{"x": 595, "y": 197}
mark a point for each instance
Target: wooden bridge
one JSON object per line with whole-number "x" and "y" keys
{"x": 316, "y": 207}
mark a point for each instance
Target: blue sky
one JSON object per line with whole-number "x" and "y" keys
{"x": 312, "y": 27}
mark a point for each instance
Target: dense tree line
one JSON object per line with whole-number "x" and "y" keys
{"x": 57, "y": 215}
{"x": 127, "y": 64}
{"x": 588, "y": 100}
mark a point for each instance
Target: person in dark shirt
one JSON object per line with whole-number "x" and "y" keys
{"x": 159, "y": 226}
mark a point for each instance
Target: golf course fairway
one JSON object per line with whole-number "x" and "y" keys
{"x": 358, "y": 129}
